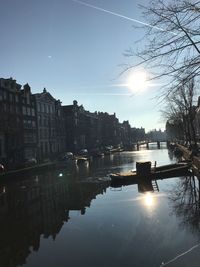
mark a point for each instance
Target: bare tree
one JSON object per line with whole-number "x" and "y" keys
{"x": 172, "y": 41}
{"x": 180, "y": 107}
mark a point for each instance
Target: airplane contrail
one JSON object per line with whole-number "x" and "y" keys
{"x": 179, "y": 256}
{"x": 119, "y": 15}
{"x": 104, "y": 94}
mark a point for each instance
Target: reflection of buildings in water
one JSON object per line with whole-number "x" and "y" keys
{"x": 35, "y": 207}
{"x": 185, "y": 201}
{"x": 98, "y": 162}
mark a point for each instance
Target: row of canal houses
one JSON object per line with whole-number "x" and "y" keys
{"x": 39, "y": 126}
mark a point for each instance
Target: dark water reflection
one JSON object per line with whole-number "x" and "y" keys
{"x": 185, "y": 202}
{"x": 72, "y": 217}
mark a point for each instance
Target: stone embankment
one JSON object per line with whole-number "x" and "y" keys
{"x": 188, "y": 155}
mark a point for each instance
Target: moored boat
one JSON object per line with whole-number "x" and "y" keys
{"x": 81, "y": 159}
{"x": 66, "y": 159}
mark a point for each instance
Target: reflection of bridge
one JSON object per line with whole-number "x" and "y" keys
{"x": 147, "y": 142}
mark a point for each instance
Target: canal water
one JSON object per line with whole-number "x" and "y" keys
{"x": 73, "y": 217}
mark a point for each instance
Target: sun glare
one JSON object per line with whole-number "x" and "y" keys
{"x": 148, "y": 199}
{"x": 137, "y": 81}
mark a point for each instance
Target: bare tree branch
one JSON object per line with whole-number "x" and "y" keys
{"x": 173, "y": 43}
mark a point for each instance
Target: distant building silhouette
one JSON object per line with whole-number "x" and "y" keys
{"x": 82, "y": 127}
{"x": 156, "y": 135}
{"x": 138, "y": 134}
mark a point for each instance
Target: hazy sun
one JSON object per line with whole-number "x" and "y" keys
{"x": 137, "y": 81}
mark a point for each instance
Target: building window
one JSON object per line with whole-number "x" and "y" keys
{"x": 29, "y": 138}
{"x": 46, "y": 134}
{"x": 39, "y": 107}
{"x": 28, "y": 112}
{"x": 24, "y": 110}
{"x": 10, "y": 97}
{"x": 42, "y": 107}
{"x": 1, "y": 95}
{"x": 4, "y": 107}
{"x": 39, "y": 121}
{"x": 5, "y": 95}
{"x": 40, "y": 133}
{"x": 11, "y": 108}
{"x": 33, "y": 112}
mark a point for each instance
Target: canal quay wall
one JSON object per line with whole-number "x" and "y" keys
{"x": 27, "y": 170}
{"x": 187, "y": 155}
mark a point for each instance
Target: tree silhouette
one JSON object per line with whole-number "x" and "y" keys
{"x": 172, "y": 42}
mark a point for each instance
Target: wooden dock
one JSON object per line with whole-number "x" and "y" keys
{"x": 156, "y": 173}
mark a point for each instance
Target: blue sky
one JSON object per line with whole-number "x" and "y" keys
{"x": 76, "y": 52}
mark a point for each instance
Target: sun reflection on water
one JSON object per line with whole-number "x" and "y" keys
{"x": 149, "y": 200}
